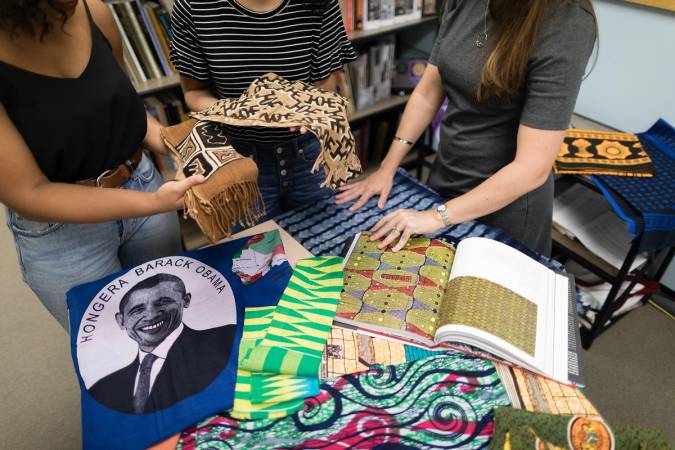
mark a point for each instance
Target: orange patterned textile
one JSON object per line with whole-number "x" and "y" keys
{"x": 587, "y": 152}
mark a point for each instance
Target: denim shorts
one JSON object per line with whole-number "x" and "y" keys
{"x": 285, "y": 179}
{"x": 54, "y": 257}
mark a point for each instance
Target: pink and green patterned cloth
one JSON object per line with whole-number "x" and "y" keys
{"x": 260, "y": 253}
{"x": 445, "y": 401}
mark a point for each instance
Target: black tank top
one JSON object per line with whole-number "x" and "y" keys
{"x": 76, "y": 128}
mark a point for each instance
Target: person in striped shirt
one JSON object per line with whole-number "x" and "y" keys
{"x": 220, "y": 46}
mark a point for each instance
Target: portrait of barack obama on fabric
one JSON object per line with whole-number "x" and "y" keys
{"x": 174, "y": 361}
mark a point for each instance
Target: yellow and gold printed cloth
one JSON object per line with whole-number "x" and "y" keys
{"x": 230, "y": 194}
{"x": 589, "y": 152}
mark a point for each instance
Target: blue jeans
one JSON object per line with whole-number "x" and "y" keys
{"x": 284, "y": 175}
{"x": 54, "y": 257}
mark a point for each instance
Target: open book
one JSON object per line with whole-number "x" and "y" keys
{"x": 485, "y": 295}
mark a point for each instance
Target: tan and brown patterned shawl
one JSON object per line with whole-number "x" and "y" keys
{"x": 230, "y": 194}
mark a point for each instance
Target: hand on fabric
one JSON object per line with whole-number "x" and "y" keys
{"x": 402, "y": 224}
{"x": 379, "y": 183}
{"x": 169, "y": 196}
{"x": 303, "y": 130}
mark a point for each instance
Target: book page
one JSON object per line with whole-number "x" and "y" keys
{"x": 503, "y": 298}
{"x": 399, "y": 293}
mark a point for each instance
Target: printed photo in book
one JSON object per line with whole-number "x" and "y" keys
{"x": 484, "y": 295}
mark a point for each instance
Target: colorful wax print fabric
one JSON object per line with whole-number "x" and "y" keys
{"x": 587, "y": 152}
{"x": 397, "y": 290}
{"x": 440, "y": 402}
{"x": 350, "y": 352}
{"x": 155, "y": 347}
{"x": 535, "y": 393}
{"x": 260, "y": 395}
{"x": 258, "y": 256}
{"x": 302, "y": 321}
{"x": 516, "y": 429}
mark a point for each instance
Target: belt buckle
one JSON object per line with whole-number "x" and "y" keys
{"x": 100, "y": 177}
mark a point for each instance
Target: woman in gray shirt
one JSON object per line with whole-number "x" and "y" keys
{"x": 511, "y": 71}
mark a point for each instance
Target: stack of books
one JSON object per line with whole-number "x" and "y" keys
{"x": 145, "y": 27}
{"x": 374, "y": 14}
{"x": 368, "y": 80}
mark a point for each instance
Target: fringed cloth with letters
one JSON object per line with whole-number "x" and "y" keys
{"x": 586, "y": 152}
{"x": 230, "y": 194}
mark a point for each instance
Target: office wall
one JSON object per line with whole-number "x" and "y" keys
{"x": 633, "y": 82}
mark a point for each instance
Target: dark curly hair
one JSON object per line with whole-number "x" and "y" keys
{"x": 30, "y": 17}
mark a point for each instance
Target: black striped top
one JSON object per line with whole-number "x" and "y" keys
{"x": 223, "y": 42}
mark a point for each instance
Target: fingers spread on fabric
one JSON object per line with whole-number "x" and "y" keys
{"x": 349, "y": 187}
{"x": 383, "y": 198}
{"x": 405, "y": 236}
{"x": 380, "y": 223}
{"x": 362, "y": 201}
{"x": 348, "y": 195}
{"x": 393, "y": 233}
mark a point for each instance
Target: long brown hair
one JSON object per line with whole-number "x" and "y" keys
{"x": 517, "y": 25}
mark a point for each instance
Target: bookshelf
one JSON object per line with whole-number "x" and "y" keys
{"x": 392, "y": 102}
{"x": 363, "y": 35}
{"x": 157, "y": 84}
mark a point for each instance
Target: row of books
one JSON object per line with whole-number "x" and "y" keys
{"x": 373, "y": 14}
{"x": 368, "y": 80}
{"x": 145, "y": 27}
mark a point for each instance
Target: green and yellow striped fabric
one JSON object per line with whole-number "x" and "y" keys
{"x": 302, "y": 321}
{"x": 277, "y": 401}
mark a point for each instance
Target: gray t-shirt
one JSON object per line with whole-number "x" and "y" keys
{"x": 477, "y": 139}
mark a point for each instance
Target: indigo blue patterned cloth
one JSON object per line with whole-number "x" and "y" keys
{"x": 648, "y": 204}
{"x": 323, "y": 227}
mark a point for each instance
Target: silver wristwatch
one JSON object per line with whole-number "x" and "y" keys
{"x": 443, "y": 212}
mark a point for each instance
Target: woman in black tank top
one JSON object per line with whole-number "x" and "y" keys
{"x": 69, "y": 116}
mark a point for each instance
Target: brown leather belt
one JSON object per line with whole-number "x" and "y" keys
{"x": 114, "y": 178}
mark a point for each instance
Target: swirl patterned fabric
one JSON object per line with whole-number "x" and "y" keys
{"x": 445, "y": 401}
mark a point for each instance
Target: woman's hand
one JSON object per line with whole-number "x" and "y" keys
{"x": 303, "y": 130}
{"x": 402, "y": 224}
{"x": 169, "y": 196}
{"x": 378, "y": 183}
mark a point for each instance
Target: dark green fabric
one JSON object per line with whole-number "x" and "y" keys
{"x": 525, "y": 427}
